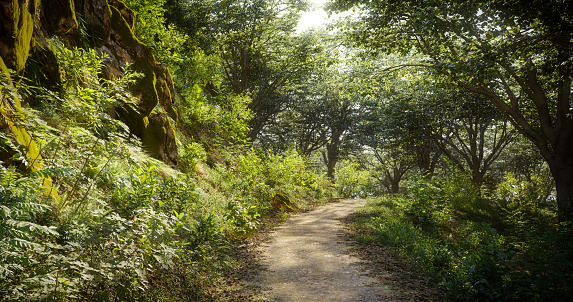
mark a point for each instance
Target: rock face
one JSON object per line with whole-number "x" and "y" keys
{"x": 26, "y": 24}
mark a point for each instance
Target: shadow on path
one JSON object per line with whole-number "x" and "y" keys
{"x": 308, "y": 260}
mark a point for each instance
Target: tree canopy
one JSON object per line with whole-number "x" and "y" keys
{"x": 518, "y": 54}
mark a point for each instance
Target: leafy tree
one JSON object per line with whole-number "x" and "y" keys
{"x": 515, "y": 53}
{"x": 259, "y": 54}
{"x": 396, "y": 117}
{"x": 150, "y": 27}
{"x": 472, "y": 133}
{"x": 388, "y": 166}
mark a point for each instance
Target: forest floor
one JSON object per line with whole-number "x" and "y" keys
{"x": 315, "y": 256}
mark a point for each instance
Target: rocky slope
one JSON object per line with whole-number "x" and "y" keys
{"x": 107, "y": 26}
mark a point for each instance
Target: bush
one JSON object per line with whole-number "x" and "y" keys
{"x": 351, "y": 182}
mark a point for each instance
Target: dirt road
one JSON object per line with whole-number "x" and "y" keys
{"x": 308, "y": 260}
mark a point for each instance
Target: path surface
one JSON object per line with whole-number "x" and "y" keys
{"x": 308, "y": 260}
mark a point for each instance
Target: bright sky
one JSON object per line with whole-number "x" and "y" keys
{"x": 313, "y": 18}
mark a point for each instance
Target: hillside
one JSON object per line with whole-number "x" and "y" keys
{"x": 147, "y": 145}
{"x": 106, "y": 194}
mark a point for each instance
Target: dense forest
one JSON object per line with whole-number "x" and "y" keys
{"x": 144, "y": 141}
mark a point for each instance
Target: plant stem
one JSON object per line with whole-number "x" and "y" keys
{"x": 76, "y": 184}
{"x": 91, "y": 185}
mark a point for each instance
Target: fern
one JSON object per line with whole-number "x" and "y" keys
{"x": 18, "y": 225}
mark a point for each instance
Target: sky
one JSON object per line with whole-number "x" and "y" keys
{"x": 313, "y": 18}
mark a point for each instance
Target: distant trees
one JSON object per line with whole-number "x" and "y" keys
{"x": 322, "y": 120}
{"x": 517, "y": 54}
{"x": 473, "y": 133}
{"x": 258, "y": 53}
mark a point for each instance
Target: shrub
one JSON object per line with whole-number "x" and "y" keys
{"x": 350, "y": 181}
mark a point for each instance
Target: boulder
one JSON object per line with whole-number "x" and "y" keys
{"x": 283, "y": 203}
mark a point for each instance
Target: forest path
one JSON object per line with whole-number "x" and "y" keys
{"x": 308, "y": 259}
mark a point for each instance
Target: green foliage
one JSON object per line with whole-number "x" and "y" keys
{"x": 442, "y": 225}
{"x": 19, "y": 225}
{"x": 350, "y": 181}
{"x": 192, "y": 154}
{"x": 468, "y": 269}
{"x": 429, "y": 202}
{"x": 86, "y": 95}
{"x": 147, "y": 189}
{"x": 151, "y": 28}
{"x": 251, "y": 168}
{"x": 227, "y": 116}
{"x": 526, "y": 207}
{"x": 244, "y": 218}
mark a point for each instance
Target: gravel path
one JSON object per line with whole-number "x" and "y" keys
{"x": 308, "y": 260}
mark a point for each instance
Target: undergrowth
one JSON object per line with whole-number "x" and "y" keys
{"x": 126, "y": 227}
{"x": 477, "y": 248}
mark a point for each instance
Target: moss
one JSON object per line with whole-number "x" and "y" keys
{"x": 122, "y": 28}
{"x": 164, "y": 93}
{"x": 4, "y": 69}
{"x": 126, "y": 12}
{"x": 283, "y": 202}
{"x": 145, "y": 87}
{"x": 155, "y": 134}
{"x": 164, "y": 88}
{"x": 24, "y": 29}
{"x": 32, "y": 152}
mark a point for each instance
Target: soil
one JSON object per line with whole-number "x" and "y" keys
{"x": 314, "y": 256}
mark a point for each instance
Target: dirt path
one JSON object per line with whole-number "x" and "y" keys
{"x": 308, "y": 260}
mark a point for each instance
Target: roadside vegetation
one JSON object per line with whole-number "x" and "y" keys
{"x": 453, "y": 118}
{"x": 476, "y": 245}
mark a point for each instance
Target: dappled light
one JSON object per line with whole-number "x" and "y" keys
{"x": 320, "y": 150}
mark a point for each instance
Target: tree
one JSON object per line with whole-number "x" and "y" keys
{"x": 471, "y": 132}
{"x": 259, "y": 54}
{"x": 396, "y": 114}
{"x": 388, "y": 166}
{"x": 517, "y": 53}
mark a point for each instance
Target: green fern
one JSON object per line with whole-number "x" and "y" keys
{"x": 18, "y": 225}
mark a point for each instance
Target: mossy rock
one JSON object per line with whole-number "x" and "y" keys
{"x": 144, "y": 88}
{"x": 43, "y": 68}
{"x": 121, "y": 26}
{"x": 17, "y": 31}
{"x": 59, "y": 16}
{"x": 155, "y": 134}
{"x": 136, "y": 122}
{"x": 143, "y": 62}
{"x": 5, "y": 71}
{"x": 159, "y": 139}
{"x": 97, "y": 15}
{"x": 165, "y": 90}
{"x": 283, "y": 203}
{"x": 126, "y": 12}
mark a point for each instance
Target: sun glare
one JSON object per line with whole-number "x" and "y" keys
{"x": 313, "y": 18}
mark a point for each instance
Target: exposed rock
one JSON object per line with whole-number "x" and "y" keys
{"x": 283, "y": 203}
{"x": 110, "y": 29}
{"x": 17, "y": 26}
{"x": 97, "y": 15}
{"x": 159, "y": 138}
{"x": 126, "y": 12}
{"x": 59, "y": 16}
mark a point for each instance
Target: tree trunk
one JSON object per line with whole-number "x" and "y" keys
{"x": 564, "y": 186}
{"x": 395, "y": 185}
{"x": 562, "y": 170}
{"x": 331, "y": 159}
{"x": 332, "y": 153}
